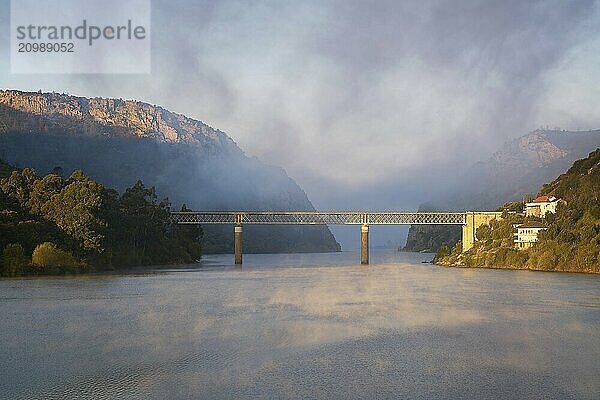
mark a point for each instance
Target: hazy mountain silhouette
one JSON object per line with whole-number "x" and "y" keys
{"x": 118, "y": 141}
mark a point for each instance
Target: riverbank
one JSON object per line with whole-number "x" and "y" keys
{"x": 458, "y": 265}
{"x": 488, "y": 255}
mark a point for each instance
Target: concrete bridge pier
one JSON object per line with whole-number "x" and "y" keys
{"x": 364, "y": 244}
{"x": 237, "y": 244}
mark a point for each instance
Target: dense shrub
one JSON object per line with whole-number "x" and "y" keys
{"x": 47, "y": 258}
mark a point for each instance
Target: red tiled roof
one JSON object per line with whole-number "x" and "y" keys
{"x": 544, "y": 199}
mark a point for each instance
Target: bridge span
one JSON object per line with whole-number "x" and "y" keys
{"x": 469, "y": 220}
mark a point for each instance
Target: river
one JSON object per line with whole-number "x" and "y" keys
{"x": 302, "y": 326}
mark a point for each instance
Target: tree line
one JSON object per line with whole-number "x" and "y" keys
{"x": 52, "y": 225}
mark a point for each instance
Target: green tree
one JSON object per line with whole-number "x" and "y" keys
{"x": 78, "y": 210}
{"x": 144, "y": 233}
{"x": 19, "y": 184}
{"x": 188, "y": 238}
{"x": 14, "y": 261}
{"x": 144, "y": 223}
{"x": 42, "y": 192}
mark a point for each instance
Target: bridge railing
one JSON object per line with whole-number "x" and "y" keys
{"x": 319, "y": 218}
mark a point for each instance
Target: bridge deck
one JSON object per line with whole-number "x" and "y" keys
{"x": 320, "y": 218}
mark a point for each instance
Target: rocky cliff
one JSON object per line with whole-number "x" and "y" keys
{"x": 119, "y": 141}
{"x": 54, "y": 113}
{"x": 513, "y": 172}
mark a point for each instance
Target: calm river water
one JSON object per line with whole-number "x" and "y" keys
{"x": 303, "y": 326}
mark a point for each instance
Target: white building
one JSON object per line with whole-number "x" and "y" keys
{"x": 527, "y": 234}
{"x": 541, "y": 206}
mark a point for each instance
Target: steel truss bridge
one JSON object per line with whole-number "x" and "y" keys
{"x": 469, "y": 221}
{"x": 320, "y": 218}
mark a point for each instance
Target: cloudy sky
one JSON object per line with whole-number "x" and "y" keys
{"x": 365, "y": 104}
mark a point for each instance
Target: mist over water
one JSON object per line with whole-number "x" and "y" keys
{"x": 302, "y": 326}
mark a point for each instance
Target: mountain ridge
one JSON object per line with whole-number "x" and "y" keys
{"x": 118, "y": 116}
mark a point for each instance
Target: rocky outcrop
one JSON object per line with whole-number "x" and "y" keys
{"x": 56, "y": 113}
{"x": 534, "y": 150}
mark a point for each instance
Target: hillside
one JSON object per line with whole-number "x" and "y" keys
{"x": 119, "y": 141}
{"x": 513, "y": 172}
{"x": 571, "y": 241}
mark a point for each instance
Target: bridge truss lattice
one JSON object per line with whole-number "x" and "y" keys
{"x": 319, "y": 218}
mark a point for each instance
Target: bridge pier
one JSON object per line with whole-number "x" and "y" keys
{"x": 364, "y": 244}
{"x": 237, "y": 243}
